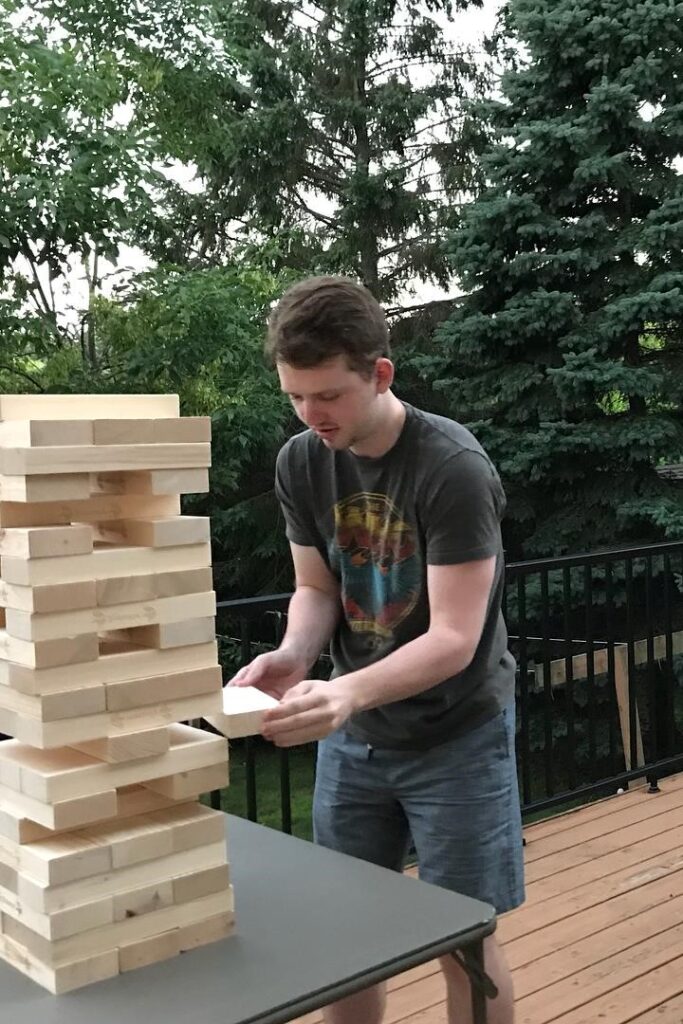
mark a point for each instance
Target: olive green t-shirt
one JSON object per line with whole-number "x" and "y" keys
{"x": 433, "y": 499}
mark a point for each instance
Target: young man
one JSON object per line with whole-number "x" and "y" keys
{"x": 393, "y": 516}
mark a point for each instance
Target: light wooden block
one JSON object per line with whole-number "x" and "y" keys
{"x": 243, "y": 709}
{"x": 26, "y": 626}
{"x": 124, "y": 589}
{"x": 66, "y": 977}
{"x": 149, "y": 951}
{"x": 183, "y": 785}
{"x": 20, "y": 830}
{"x": 51, "y": 776}
{"x": 61, "y": 815}
{"x": 156, "y": 689}
{"x": 82, "y": 700}
{"x": 213, "y": 929}
{"x": 44, "y": 433}
{"x": 54, "y": 597}
{"x": 41, "y": 488}
{"x": 48, "y": 653}
{"x": 79, "y": 407}
{"x": 61, "y": 923}
{"x": 99, "y": 508}
{"x": 118, "y": 662}
{"x": 201, "y": 883}
{"x": 156, "y": 482}
{"x": 46, "y": 541}
{"x": 102, "y": 458}
{"x": 162, "y": 532}
{"x": 105, "y": 563}
{"x": 185, "y": 430}
{"x": 129, "y": 746}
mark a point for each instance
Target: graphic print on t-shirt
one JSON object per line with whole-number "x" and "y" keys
{"x": 375, "y": 553}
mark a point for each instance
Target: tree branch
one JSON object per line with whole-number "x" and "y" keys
{"x": 22, "y": 374}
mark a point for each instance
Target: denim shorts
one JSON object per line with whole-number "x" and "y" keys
{"x": 457, "y": 804}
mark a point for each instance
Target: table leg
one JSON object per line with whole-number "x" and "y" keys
{"x": 479, "y": 981}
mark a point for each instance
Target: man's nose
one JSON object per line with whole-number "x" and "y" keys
{"x": 309, "y": 411}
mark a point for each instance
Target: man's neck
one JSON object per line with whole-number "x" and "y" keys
{"x": 387, "y": 432}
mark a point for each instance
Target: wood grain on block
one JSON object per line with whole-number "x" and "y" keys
{"x": 130, "y": 746}
{"x": 84, "y": 699}
{"x": 124, "y": 589}
{"x": 62, "y": 815}
{"x": 175, "y": 686}
{"x": 117, "y": 662}
{"x": 194, "y": 825}
{"x": 102, "y": 458}
{"x": 213, "y": 929}
{"x": 170, "y": 634}
{"x": 104, "y": 563}
{"x": 48, "y": 653}
{"x": 53, "y": 597}
{"x": 143, "y": 900}
{"x": 242, "y": 713}
{"x": 162, "y": 532}
{"x": 65, "y": 978}
{"x": 87, "y": 407}
{"x": 44, "y": 433}
{"x": 27, "y": 626}
{"x": 99, "y": 508}
{"x": 149, "y": 951}
{"x": 48, "y": 899}
{"x": 154, "y": 482}
{"x": 41, "y": 488}
{"x": 184, "y": 785}
{"x": 184, "y": 430}
{"x": 82, "y": 728}
{"x": 51, "y": 776}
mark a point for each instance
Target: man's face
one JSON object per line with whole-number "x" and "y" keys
{"x": 339, "y": 404}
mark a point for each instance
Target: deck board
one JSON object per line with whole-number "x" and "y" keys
{"x": 600, "y": 937}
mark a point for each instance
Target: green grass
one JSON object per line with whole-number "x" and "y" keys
{"x": 268, "y": 803}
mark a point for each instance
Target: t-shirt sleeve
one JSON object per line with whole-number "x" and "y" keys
{"x": 299, "y": 527}
{"x": 462, "y": 505}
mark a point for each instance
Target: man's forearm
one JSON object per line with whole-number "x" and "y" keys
{"x": 311, "y": 620}
{"x": 417, "y": 666}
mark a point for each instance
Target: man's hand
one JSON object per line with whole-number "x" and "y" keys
{"x": 274, "y": 673}
{"x": 307, "y": 712}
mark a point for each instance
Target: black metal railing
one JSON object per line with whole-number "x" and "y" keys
{"x": 598, "y": 640}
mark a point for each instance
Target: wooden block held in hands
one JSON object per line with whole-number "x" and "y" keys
{"x": 242, "y": 714}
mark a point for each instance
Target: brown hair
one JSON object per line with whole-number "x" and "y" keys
{"x": 323, "y": 317}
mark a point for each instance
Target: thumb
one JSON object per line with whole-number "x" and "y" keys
{"x": 248, "y": 675}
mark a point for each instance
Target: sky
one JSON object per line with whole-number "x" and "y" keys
{"x": 469, "y": 27}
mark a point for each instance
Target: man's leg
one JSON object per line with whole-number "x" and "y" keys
{"x": 366, "y": 1007}
{"x": 459, "y": 992}
{"x": 355, "y": 813}
{"x": 462, "y": 805}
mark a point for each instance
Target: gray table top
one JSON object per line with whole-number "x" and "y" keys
{"x": 311, "y": 926}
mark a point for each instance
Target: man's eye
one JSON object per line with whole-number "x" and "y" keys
{"x": 329, "y": 398}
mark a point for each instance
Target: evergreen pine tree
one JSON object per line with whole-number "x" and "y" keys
{"x": 565, "y": 356}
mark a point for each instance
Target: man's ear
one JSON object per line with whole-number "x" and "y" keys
{"x": 384, "y": 374}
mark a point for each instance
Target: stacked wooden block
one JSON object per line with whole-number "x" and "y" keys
{"x": 107, "y": 642}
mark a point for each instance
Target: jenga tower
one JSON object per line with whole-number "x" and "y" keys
{"x": 107, "y": 860}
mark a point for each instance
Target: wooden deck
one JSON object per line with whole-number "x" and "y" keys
{"x": 600, "y": 938}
